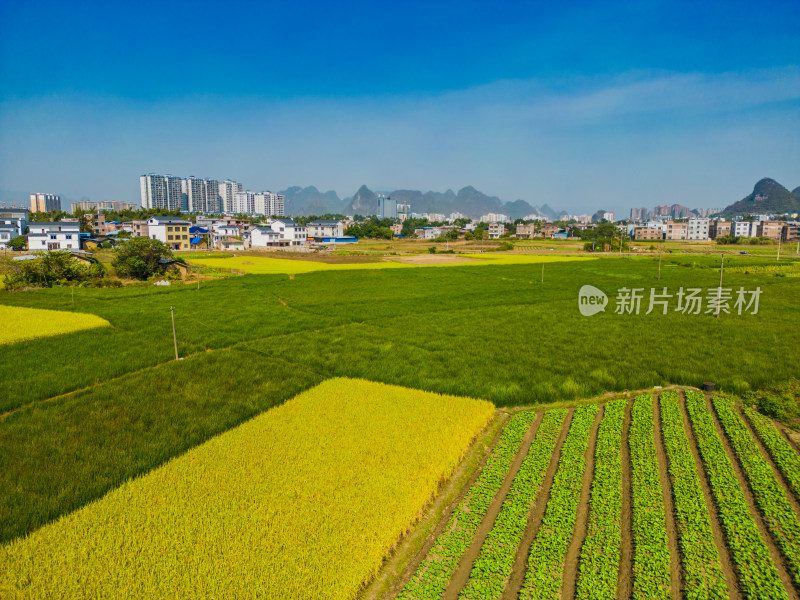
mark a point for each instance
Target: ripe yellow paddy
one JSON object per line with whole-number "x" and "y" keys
{"x": 303, "y": 501}
{"x": 18, "y": 324}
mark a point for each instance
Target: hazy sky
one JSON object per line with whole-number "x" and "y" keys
{"x": 581, "y": 105}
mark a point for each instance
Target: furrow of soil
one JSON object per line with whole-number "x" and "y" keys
{"x": 461, "y": 574}
{"x": 570, "y": 577}
{"x": 394, "y": 564}
{"x": 625, "y": 582}
{"x": 765, "y": 453}
{"x": 719, "y": 538}
{"x": 675, "y": 575}
{"x": 762, "y": 528}
{"x": 535, "y": 517}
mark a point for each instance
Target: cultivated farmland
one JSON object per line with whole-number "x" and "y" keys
{"x": 18, "y": 324}
{"x": 661, "y": 496}
{"x": 304, "y": 501}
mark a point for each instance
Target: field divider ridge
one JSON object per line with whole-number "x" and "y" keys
{"x": 598, "y": 565}
{"x": 492, "y": 567}
{"x": 756, "y": 571}
{"x": 570, "y": 575}
{"x": 535, "y": 516}
{"x": 769, "y": 493}
{"x": 779, "y": 449}
{"x": 703, "y": 576}
{"x": 544, "y": 574}
{"x": 431, "y": 578}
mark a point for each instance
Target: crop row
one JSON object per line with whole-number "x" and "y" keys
{"x": 758, "y": 577}
{"x": 431, "y": 577}
{"x": 703, "y": 576}
{"x": 769, "y": 495}
{"x": 544, "y": 574}
{"x": 600, "y": 554}
{"x": 651, "y": 560}
{"x": 779, "y": 448}
{"x": 493, "y": 566}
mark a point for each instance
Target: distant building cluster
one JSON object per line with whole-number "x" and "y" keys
{"x": 676, "y": 211}
{"x": 208, "y": 196}
{"x": 89, "y": 206}
{"x": 703, "y": 228}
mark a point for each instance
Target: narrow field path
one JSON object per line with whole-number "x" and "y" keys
{"x": 669, "y": 506}
{"x": 625, "y": 583}
{"x": 779, "y": 475}
{"x": 719, "y": 539}
{"x": 461, "y": 574}
{"x": 579, "y": 534}
{"x": 395, "y": 563}
{"x": 535, "y": 517}
{"x": 774, "y": 551}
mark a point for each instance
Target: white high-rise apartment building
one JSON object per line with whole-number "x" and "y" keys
{"x": 202, "y": 195}
{"x": 243, "y": 203}
{"x": 45, "y": 202}
{"x": 160, "y": 191}
{"x": 269, "y": 203}
{"x": 227, "y": 189}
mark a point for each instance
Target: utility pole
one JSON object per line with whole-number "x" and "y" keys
{"x": 174, "y": 337}
{"x": 779, "y": 248}
{"x": 542, "y": 272}
{"x": 659, "y": 262}
{"x": 719, "y": 294}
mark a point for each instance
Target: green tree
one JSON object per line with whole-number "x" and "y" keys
{"x": 17, "y": 243}
{"x": 139, "y": 257}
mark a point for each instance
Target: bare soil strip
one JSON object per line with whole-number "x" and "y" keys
{"x": 535, "y": 517}
{"x": 675, "y": 575}
{"x": 461, "y": 575}
{"x": 719, "y": 539}
{"x": 762, "y": 528}
{"x": 570, "y": 576}
{"x": 765, "y": 453}
{"x": 398, "y": 562}
{"x": 625, "y": 582}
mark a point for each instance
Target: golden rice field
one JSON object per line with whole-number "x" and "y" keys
{"x": 18, "y": 324}
{"x": 303, "y": 501}
{"x": 264, "y": 265}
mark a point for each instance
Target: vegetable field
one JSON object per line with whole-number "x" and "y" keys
{"x": 303, "y": 501}
{"x": 670, "y": 495}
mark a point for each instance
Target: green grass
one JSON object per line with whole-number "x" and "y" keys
{"x": 493, "y": 332}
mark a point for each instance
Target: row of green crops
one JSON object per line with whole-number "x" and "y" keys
{"x": 767, "y": 491}
{"x": 758, "y": 577}
{"x": 651, "y": 560}
{"x": 431, "y": 577}
{"x": 492, "y": 568}
{"x": 703, "y": 576}
{"x": 600, "y": 554}
{"x": 544, "y": 575}
{"x": 778, "y": 447}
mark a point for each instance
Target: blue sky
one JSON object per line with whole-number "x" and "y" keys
{"x": 583, "y": 105}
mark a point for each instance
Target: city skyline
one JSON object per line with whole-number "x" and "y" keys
{"x": 607, "y": 105}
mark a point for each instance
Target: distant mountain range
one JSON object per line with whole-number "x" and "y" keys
{"x": 768, "y": 196}
{"x": 468, "y": 201}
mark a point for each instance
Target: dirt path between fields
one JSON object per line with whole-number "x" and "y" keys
{"x": 569, "y": 582}
{"x": 787, "y": 489}
{"x": 535, "y": 516}
{"x": 461, "y": 575}
{"x": 716, "y": 526}
{"x": 775, "y": 553}
{"x": 393, "y": 566}
{"x": 431, "y": 259}
{"x": 625, "y": 579}
{"x": 675, "y": 575}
